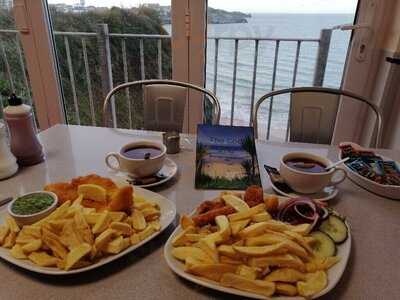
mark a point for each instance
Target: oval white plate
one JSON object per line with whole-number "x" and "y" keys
{"x": 384, "y": 190}
{"x": 168, "y": 212}
{"x": 334, "y": 273}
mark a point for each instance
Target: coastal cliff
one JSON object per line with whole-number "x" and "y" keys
{"x": 220, "y": 16}
{"x": 214, "y": 16}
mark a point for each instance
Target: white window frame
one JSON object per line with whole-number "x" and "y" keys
{"x": 188, "y": 57}
{"x": 188, "y": 54}
{"x": 354, "y": 121}
{"x": 32, "y": 23}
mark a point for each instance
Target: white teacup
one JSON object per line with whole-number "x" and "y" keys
{"x": 138, "y": 167}
{"x": 306, "y": 182}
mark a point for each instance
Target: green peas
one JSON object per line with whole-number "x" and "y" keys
{"x": 32, "y": 203}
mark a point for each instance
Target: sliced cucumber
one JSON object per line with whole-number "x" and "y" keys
{"x": 335, "y": 228}
{"x": 323, "y": 246}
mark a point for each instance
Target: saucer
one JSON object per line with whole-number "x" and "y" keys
{"x": 167, "y": 172}
{"x": 326, "y": 194}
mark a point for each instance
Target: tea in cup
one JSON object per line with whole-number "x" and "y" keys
{"x": 306, "y": 173}
{"x": 139, "y": 159}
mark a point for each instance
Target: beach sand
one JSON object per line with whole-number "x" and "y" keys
{"x": 224, "y": 170}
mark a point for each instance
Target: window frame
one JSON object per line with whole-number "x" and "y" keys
{"x": 32, "y": 22}
{"x": 360, "y": 76}
{"x": 188, "y": 57}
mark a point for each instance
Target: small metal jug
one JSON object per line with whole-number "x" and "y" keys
{"x": 172, "y": 141}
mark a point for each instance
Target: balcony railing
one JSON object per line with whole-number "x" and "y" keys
{"x": 323, "y": 48}
{"x": 106, "y": 64}
{"x": 14, "y": 65}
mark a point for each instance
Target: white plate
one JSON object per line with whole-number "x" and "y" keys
{"x": 168, "y": 212}
{"x": 325, "y": 195}
{"x": 389, "y": 191}
{"x": 334, "y": 273}
{"x": 169, "y": 170}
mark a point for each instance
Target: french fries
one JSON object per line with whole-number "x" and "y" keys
{"x": 213, "y": 271}
{"x": 182, "y": 253}
{"x": 250, "y": 285}
{"x": 74, "y": 236}
{"x": 314, "y": 283}
{"x": 250, "y": 251}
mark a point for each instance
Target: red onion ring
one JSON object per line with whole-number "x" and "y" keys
{"x": 297, "y": 210}
{"x": 290, "y": 211}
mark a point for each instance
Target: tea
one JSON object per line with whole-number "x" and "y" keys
{"x": 306, "y": 165}
{"x": 144, "y": 152}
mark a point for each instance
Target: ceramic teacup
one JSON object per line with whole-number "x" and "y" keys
{"x": 143, "y": 166}
{"x": 306, "y": 182}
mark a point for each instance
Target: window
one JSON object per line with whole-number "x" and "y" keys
{"x": 254, "y": 47}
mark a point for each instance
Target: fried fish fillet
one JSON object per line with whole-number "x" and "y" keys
{"x": 64, "y": 190}
{"x": 104, "y": 182}
{"x": 122, "y": 200}
{"x": 118, "y": 199}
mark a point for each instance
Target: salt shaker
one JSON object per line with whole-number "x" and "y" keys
{"x": 25, "y": 144}
{"x": 8, "y": 162}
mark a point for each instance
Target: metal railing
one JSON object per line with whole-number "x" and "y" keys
{"x": 13, "y": 37}
{"x": 319, "y": 74}
{"x": 104, "y": 53}
{"x": 103, "y": 43}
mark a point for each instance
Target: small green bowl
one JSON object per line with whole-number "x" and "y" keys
{"x": 33, "y": 218}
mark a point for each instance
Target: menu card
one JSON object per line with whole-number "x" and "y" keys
{"x": 226, "y": 158}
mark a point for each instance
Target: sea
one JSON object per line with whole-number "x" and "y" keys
{"x": 272, "y": 26}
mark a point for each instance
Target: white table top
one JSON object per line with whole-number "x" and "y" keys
{"x": 374, "y": 266}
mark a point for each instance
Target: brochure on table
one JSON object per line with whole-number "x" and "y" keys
{"x": 226, "y": 158}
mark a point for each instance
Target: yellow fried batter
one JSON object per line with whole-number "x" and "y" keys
{"x": 104, "y": 182}
{"x": 122, "y": 199}
{"x": 118, "y": 199}
{"x": 64, "y": 190}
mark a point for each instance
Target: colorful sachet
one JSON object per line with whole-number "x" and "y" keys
{"x": 372, "y": 166}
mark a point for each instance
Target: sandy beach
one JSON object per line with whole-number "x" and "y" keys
{"x": 224, "y": 170}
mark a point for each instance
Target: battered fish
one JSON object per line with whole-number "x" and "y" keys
{"x": 64, "y": 190}
{"x": 122, "y": 200}
{"x": 104, "y": 182}
{"x": 118, "y": 199}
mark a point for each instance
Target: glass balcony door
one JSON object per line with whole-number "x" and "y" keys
{"x": 100, "y": 44}
{"x": 76, "y": 51}
{"x": 25, "y": 69}
{"x": 255, "y": 47}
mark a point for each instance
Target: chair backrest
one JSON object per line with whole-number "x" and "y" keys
{"x": 164, "y": 103}
{"x": 313, "y": 113}
{"x": 164, "y": 107}
{"x": 312, "y": 117}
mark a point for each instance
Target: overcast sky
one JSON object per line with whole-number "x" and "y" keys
{"x": 289, "y": 6}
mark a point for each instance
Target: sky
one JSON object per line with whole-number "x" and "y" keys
{"x": 251, "y": 6}
{"x": 222, "y": 135}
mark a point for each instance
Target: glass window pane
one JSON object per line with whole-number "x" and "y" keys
{"x": 13, "y": 74}
{"x": 109, "y": 42}
{"x": 273, "y": 23}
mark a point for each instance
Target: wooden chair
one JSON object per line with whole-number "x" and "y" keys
{"x": 312, "y": 114}
{"x": 164, "y": 103}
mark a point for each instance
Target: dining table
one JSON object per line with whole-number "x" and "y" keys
{"x": 372, "y": 272}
